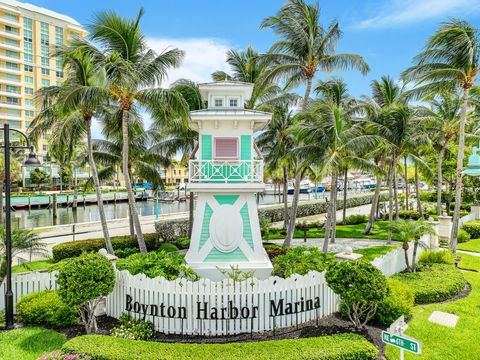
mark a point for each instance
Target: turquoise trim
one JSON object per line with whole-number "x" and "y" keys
{"x": 247, "y": 229}
{"x": 226, "y": 199}
{"x": 206, "y": 147}
{"x": 246, "y": 147}
{"x": 218, "y": 256}
{"x": 205, "y": 233}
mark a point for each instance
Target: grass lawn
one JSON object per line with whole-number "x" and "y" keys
{"x": 31, "y": 266}
{"x": 29, "y": 343}
{"x": 375, "y": 251}
{"x": 469, "y": 262}
{"x": 379, "y": 231}
{"x": 443, "y": 343}
{"x": 472, "y": 245}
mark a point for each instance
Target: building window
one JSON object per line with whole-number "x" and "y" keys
{"x": 12, "y": 77}
{"x": 27, "y": 123}
{"x": 29, "y": 102}
{"x": 45, "y": 71}
{"x": 44, "y": 38}
{"x": 28, "y": 79}
{"x": 12, "y": 54}
{"x": 13, "y": 112}
{"x": 11, "y": 65}
{"x": 12, "y": 101}
{"x": 45, "y": 82}
{"x": 28, "y": 58}
{"x": 225, "y": 148}
{"x": 28, "y": 68}
{"x": 59, "y": 74}
{"x": 58, "y": 83}
{"x": 29, "y": 113}
{"x": 10, "y": 29}
{"x": 10, "y": 16}
{"x": 14, "y": 124}
{"x": 218, "y": 102}
{"x": 13, "y": 89}
{"x": 233, "y": 102}
{"x": 10, "y": 42}
{"x": 29, "y": 91}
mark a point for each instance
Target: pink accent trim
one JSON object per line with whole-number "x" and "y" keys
{"x": 227, "y": 157}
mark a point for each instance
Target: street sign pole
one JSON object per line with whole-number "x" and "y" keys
{"x": 394, "y": 336}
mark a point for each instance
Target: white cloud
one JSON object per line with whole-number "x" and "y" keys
{"x": 203, "y": 56}
{"x": 400, "y": 12}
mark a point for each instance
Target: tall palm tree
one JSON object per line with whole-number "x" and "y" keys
{"x": 276, "y": 142}
{"x": 305, "y": 46}
{"x": 67, "y": 112}
{"x": 133, "y": 71}
{"x": 329, "y": 128}
{"x": 450, "y": 62}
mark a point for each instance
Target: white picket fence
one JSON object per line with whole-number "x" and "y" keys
{"x": 26, "y": 283}
{"x": 394, "y": 262}
{"x": 205, "y": 307}
{"x": 217, "y": 308}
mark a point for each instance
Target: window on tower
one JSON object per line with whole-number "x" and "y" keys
{"x": 226, "y": 148}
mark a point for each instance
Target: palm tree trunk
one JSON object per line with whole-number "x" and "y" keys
{"x": 414, "y": 255}
{"x": 390, "y": 200}
{"x": 406, "y": 183}
{"x": 440, "y": 179}
{"x": 328, "y": 222}
{"x": 293, "y": 212}
{"x": 307, "y": 93}
{"x": 345, "y": 186}
{"x": 459, "y": 184}
{"x": 98, "y": 192}
{"x": 375, "y": 201}
{"x": 285, "y": 198}
{"x": 417, "y": 190}
{"x": 334, "y": 210}
{"x": 190, "y": 214}
{"x": 128, "y": 184}
{"x": 406, "y": 258}
{"x": 395, "y": 190}
{"x": 130, "y": 223}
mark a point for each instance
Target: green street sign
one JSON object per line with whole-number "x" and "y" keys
{"x": 402, "y": 342}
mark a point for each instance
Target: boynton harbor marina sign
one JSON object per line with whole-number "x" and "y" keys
{"x": 204, "y": 311}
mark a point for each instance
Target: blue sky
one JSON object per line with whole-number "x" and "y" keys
{"x": 386, "y": 33}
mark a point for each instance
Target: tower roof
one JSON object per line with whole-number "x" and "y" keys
{"x": 226, "y": 87}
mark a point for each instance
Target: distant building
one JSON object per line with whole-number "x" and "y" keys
{"x": 175, "y": 174}
{"x": 28, "y": 34}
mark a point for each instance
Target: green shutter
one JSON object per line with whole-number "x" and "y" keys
{"x": 246, "y": 147}
{"x": 207, "y": 147}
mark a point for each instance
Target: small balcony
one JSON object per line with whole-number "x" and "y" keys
{"x": 225, "y": 171}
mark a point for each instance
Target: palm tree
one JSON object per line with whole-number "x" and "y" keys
{"x": 408, "y": 230}
{"x": 305, "y": 46}
{"x": 22, "y": 240}
{"x": 329, "y": 128}
{"x": 67, "y": 112}
{"x": 450, "y": 62}
{"x": 276, "y": 142}
{"x": 133, "y": 70}
{"x": 442, "y": 118}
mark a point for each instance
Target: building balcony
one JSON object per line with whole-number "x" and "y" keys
{"x": 10, "y": 70}
{"x": 11, "y": 47}
{"x": 7, "y": 117}
{"x": 9, "y": 21}
{"x": 9, "y": 105}
{"x": 11, "y": 94}
{"x": 10, "y": 81}
{"x": 17, "y": 60}
{"x": 10, "y": 35}
{"x": 225, "y": 171}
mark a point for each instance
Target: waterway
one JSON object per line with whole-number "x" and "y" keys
{"x": 28, "y": 219}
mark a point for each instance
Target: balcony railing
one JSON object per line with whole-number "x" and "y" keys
{"x": 225, "y": 171}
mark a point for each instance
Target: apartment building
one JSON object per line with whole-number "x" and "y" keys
{"x": 175, "y": 174}
{"x": 28, "y": 35}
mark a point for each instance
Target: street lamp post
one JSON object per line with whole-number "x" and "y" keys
{"x": 31, "y": 161}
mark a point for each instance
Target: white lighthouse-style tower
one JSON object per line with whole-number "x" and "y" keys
{"x": 226, "y": 177}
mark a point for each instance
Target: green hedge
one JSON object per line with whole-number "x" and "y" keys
{"x": 473, "y": 228}
{"x": 45, "y": 308}
{"x": 399, "y": 302}
{"x": 124, "y": 243}
{"x": 435, "y": 283}
{"x": 170, "y": 230}
{"x": 335, "y": 347}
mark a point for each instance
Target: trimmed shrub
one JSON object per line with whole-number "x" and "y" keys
{"x": 182, "y": 243}
{"x": 301, "y": 260}
{"x": 334, "y": 347}
{"x": 133, "y": 329}
{"x": 356, "y": 219}
{"x": 83, "y": 282}
{"x": 399, "y": 302}
{"x": 430, "y": 257}
{"x": 361, "y": 287}
{"x": 274, "y": 250}
{"x": 463, "y": 236}
{"x": 75, "y": 248}
{"x": 45, "y": 308}
{"x": 167, "y": 247}
{"x": 472, "y": 228}
{"x": 158, "y": 263}
{"x": 435, "y": 283}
